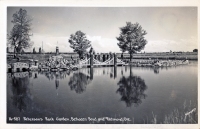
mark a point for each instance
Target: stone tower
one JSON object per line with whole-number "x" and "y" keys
{"x": 40, "y": 50}
{"x": 57, "y": 50}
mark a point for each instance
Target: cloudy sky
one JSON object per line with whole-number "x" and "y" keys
{"x": 168, "y": 28}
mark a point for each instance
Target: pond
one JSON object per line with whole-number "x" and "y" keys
{"x": 111, "y": 95}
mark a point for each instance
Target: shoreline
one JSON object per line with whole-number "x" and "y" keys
{"x": 126, "y": 56}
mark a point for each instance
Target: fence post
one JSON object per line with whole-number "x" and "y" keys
{"x": 111, "y": 55}
{"x": 104, "y": 57}
{"x": 12, "y": 68}
{"x": 107, "y": 56}
{"x": 115, "y": 72}
{"x": 99, "y": 57}
{"x": 122, "y": 56}
{"x": 36, "y": 62}
{"x": 91, "y": 60}
{"x": 88, "y": 56}
{"x": 115, "y": 59}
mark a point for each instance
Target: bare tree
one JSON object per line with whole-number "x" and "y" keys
{"x": 131, "y": 38}
{"x": 19, "y": 36}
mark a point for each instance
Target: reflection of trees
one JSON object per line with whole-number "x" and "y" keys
{"x": 122, "y": 72}
{"x": 111, "y": 75}
{"x": 104, "y": 72}
{"x": 21, "y": 94}
{"x": 55, "y": 75}
{"x": 78, "y": 82}
{"x": 58, "y": 76}
{"x": 132, "y": 89}
{"x": 35, "y": 76}
{"x": 156, "y": 70}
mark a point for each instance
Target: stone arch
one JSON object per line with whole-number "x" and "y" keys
{"x": 20, "y": 66}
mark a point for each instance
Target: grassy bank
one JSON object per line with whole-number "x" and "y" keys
{"x": 187, "y": 114}
{"x": 177, "y": 56}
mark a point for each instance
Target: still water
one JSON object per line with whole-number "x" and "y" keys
{"x": 133, "y": 93}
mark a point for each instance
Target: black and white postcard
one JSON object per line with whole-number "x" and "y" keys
{"x": 73, "y": 65}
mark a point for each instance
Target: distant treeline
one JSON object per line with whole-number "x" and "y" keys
{"x": 153, "y": 55}
{"x": 163, "y": 55}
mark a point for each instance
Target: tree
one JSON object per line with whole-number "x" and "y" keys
{"x": 131, "y": 38}
{"x": 195, "y": 50}
{"x": 19, "y": 36}
{"x": 79, "y": 43}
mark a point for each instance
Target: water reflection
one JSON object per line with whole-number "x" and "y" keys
{"x": 132, "y": 89}
{"x": 79, "y": 81}
{"x": 21, "y": 93}
{"x": 115, "y": 72}
{"x": 122, "y": 72}
{"x": 30, "y": 74}
{"x": 55, "y": 75}
{"x": 156, "y": 70}
{"x": 104, "y": 72}
{"x": 35, "y": 76}
{"x": 58, "y": 76}
{"x": 91, "y": 73}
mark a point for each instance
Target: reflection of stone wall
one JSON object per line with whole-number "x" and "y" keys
{"x": 21, "y": 74}
{"x": 18, "y": 75}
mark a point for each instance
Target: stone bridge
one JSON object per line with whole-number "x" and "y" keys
{"x": 17, "y": 67}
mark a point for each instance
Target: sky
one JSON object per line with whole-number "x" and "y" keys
{"x": 168, "y": 28}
